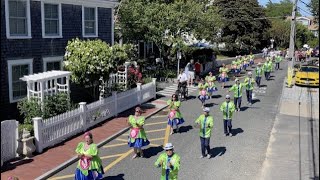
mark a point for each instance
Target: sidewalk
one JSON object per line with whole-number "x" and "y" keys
{"x": 293, "y": 151}
{"x": 32, "y": 168}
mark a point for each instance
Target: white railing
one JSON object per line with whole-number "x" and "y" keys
{"x": 9, "y": 137}
{"x": 49, "y": 132}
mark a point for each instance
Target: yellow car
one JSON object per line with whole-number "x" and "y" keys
{"x": 307, "y": 75}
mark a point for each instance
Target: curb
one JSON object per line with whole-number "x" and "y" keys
{"x": 103, "y": 142}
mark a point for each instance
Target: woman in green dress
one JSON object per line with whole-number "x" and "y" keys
{"x": 89, "y": 165}
{"x": 175, "y": 117}
{"x": 137, "y": 136}
{"x": 210, "y": 84}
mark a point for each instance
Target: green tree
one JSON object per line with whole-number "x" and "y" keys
{"x": 280, "y": 10}
{"x": 314, "y": 7}
{"x": 93, "y": 60}
{"x": 244, "y": 25}
{"x": 280, "y": 32}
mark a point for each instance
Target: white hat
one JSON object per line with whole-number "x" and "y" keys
{"x": 236, "y": 80}
{"x": 249, "y": 73}
{"x": 168, "y": 146}
{"x": 259, "y": 64}
{"x": 206, "y": 109}
{"x": 227, "y": 96}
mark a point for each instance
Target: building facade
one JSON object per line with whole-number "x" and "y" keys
{"x": 34, "y": 34}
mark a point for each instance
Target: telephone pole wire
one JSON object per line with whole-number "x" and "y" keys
{"x": 293, "y": 33}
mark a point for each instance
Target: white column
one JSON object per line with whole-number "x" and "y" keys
{"x": 55, "y": 85}
{"x": 37, "y": 127}
{"x": 68, "y": 83}
{"x": 42, "y": 94}
{"x": 115, "y": 100}
{"x": 154, "y": 81}
{"x": 83, "y": 117}
{"x": 28, "y": 89}
{"x": 139, "y": 93}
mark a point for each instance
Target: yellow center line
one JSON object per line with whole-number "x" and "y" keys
{"x": 115, "y": 145}
{"x": 124, "y": 155}
{"x": 157, "y": 130}
{"x": 123, "y": 140}
{"x": 155, "y": 139}
{"x": 150, "y": 124}
{"x": 111, "y": 156}
{"x": 159, "y": 116}
{"x": 166, "y": 137}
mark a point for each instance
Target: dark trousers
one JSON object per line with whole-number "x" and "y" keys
{"x": 267, "y": 75}
{"x": 258, "y": 81}
{"x": 249, "y": 95}
{"x": 227, "y": 124}
{"x": 205, "y": 145}
{"x": 237, "y": 102}
{"x": 277, "y": 66}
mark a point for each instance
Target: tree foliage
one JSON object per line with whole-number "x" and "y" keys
{"x": 280, "y": 10}
{"x": 244, "y": 25}
{"x": 314, "y": 7}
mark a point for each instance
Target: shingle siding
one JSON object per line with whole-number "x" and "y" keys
{"x": 38, "y": 47}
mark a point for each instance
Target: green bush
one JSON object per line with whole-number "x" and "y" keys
{"x": 29, "y": 109}
{"x": 28, "y": 127}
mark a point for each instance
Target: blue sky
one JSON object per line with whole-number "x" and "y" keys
{"x": 300, "y": 4}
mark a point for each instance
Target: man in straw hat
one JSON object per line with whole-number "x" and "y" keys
{"x": 258, "y": 71}
{"x": 169, "y": 162}
{"x": 227, "y": 108}
{"x": 205, "y": 124}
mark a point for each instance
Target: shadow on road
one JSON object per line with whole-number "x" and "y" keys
{"x": 216, "y": 96}
{"x": 263, "y": 85}
{"x": 227, "y": 86}
{"x": 184, "y": 129}
{"x": 255, "y": 101}
{"x": 118, "y": 177}
{"x": 237, "y": 131}
{"x": 270, "y": 79}
{"x": 152, "y": 151}
{"x": 7, "y": 166}
{"x": 191, "y": 97}
{"x": 218, "y": 151}
{"x": 210, "y": 104}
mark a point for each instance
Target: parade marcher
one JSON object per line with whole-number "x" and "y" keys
{"x": 237, "y": 90}
{"x": 169, "y": 162}
{"x": 278, "y": 60}
{"x": 203, "y": 96}
{"x": 175, "y": 117}
{"x": 265, "y": 52}
{"x": 137, "y": 136}
{"x": 89, "y": 166}
{"x": 227, "y": 108}
{"x": 205, "y": 124}
{"x": 249, "y": 83}
{"x": 258, "y": 72}
{"x": 251, "y": 59}
{"x": 223, "y": 75}
{"x": 197, "y": 67}
{"x": 182, "y": 82}
{"x": 239, "y": 66}
{"x": 267, "y": 68}
{"x": 245, "y": 62}
{"x": 191, "y": 72}
{"x": 211, "y": 87}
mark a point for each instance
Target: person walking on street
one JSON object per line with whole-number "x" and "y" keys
{"x": 197, "y": 67}
{"x": 251, "y": 59}
{"x": 137, "y": 136}
{"x": 211, "y": 87}
{"x": 191, "y": 69}
{"x": 227, "y": 108}
{"x": 182, "y": 83}
{"x": 205, "y": 124}
{"x": 267, "y": 68}
{"x": 90, "y": 165}
{"x": 203, "y": 96}
{"x": 258, "y": 72}
{"x": 223, "y": 75}
{"x": 237, "y": 90}
{"x": 249, "y": 83}
{"x": 175, "y": 117}
{"x": 169, "y": 162}
{"x": 278, "y": 60}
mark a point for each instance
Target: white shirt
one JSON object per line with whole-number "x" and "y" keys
{"x": 182, "y": 77}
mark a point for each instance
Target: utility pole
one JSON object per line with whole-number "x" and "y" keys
{"x": 293, "y": 33}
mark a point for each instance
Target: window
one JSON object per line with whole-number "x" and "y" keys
{"x": 52, "y": 63}
{"x": 18, "y": 23}
{"x": 16, "y": 70}
{"x": 89, "y": 22}
{"x": 51, "y": 20}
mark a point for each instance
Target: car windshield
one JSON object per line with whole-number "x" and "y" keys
{"x": 309, "y": 69}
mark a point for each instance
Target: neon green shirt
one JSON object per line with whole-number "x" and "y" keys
{"x": 227, "y": 109}
{"x": 237, "y": 89}
{"x": 135, "y": 124}
{"x": 206, "y": 125}
{"x": 173, "y": 171}
{"x": 249, "y": 82}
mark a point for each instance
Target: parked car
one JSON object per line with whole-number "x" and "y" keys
{"x": 307, "y": 75}
{"x": 315, "y": 52}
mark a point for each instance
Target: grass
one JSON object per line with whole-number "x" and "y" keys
{"x": 222, "y": 57}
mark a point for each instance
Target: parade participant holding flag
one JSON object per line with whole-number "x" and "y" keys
{"x": 89, "y": 166}
{"x": 205, "y": 124}
{"x": 251, "y": 59}
{"x": 137, "y": 136}
{"x": 169, "y": 162}
{"x": 249, "y": 83}
{"x": 237, "y": 90}
{"x": 202, "y": 86}
{"x": 278, "y": 60}
{"x": 210, "y": 84}
{"x": 223, "y": 75}
{"x": 174, "y": 118}
{"x": 258, "y": 71}
{"x": 227, "y": 108}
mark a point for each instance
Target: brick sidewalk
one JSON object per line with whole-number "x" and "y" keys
{"x": 32, "y": 168}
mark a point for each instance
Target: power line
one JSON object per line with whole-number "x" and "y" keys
{"x": 304, "y": 11}
{"x": 305, "y": 4}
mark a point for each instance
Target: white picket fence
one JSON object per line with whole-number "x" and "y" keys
{"x": 49, "y": 132}
{"x": 9, "y": 137}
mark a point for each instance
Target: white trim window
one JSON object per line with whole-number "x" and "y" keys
{"x": 51, "y": 20}
{"x": 16, "y": 70}
{"x": 52, "y": 63}
{"x": 89, "y": 21}
{"x": 18, "y": 21}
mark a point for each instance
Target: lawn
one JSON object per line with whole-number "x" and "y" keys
{"x": 222, "y": 57}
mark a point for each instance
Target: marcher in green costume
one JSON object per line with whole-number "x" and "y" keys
{"x": 175, "y": 117}
{"x": 169, "y": 162}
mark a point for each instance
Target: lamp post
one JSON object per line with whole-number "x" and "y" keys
{"x": 178, "y": 57}
{"x": 272, "y": 41}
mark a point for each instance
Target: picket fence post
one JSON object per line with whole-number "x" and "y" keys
{"x": 38, "y": 128}
{"x": 139, "y": 87}
{"x": 115, "y": 99}
{"x": 83, "y": 115}
{"x": 154, "y": 82}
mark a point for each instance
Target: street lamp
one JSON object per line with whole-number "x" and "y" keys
{"x": 272, "y": 41}
{"x": 178, "y": 57}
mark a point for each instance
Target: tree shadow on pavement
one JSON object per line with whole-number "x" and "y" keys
{"x": 118, "y": 177}
{"x": 10, "y": 165}
{"x": 184, "y": 129}
{"x": 152, "y": 151}
{"x": 217, "y": 151}
{"x": 237, "y": 131}
{"x": 210, "y": 104}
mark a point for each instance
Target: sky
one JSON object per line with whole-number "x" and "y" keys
{"x": 300, "y": 4}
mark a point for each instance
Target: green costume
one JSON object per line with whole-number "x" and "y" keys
{"x": 137, "y": 124}
{"x": 251, "y": 56}
{"x": 173, "y": 170}
{"x": 175, "y": 105}
{"x": 278, "y": 59}
{"x": 249, "y": 82}
{"x": 206, "y": 125}
{"x": 237, "y": 90}
{"x": 227, "y": 109}
{"x": 224, "y": 70}
{"x": 202, "y": 86}
{"x": 95, "y": 161}
{"x": 258, "y": 71}
{"x": 267, "y": 66}
{"x": 210, "y": 78}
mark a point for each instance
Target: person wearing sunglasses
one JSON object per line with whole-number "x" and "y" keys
{"x": 169, "y": 162}
{"x": 137, "y": 136}
{"x": 175, "y": 117}
{"x": 227, "y": 108}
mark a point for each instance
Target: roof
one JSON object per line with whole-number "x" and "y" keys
{"x": 98, "y": 3}
{"x": 45, "y": 76}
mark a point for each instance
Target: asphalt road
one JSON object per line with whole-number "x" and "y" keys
{"x": 238, "y": 157}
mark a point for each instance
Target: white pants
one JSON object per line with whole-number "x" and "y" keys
{"x": 191, "y": 75}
